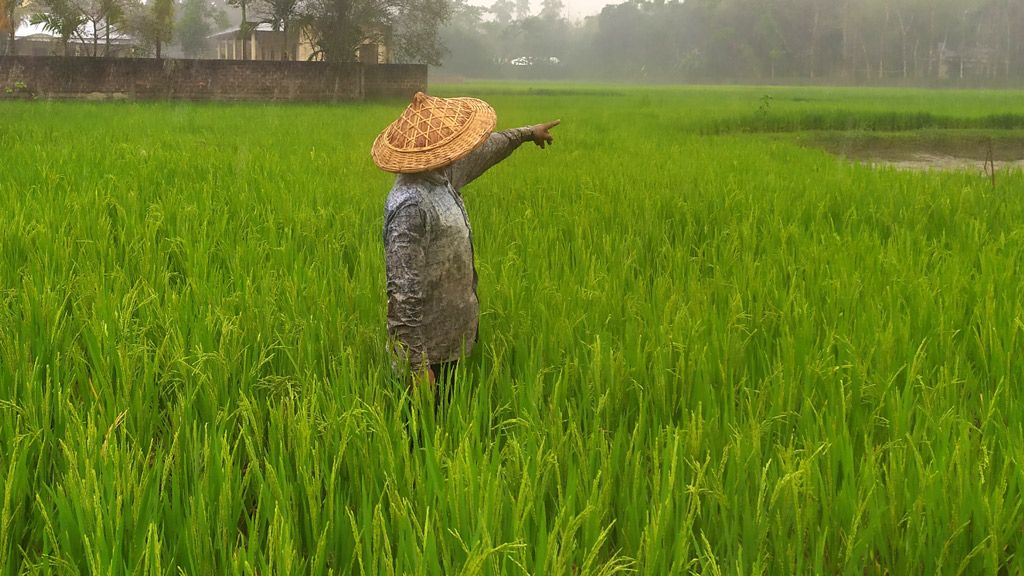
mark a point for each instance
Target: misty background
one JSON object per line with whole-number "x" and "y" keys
{"x": 903, "y": 42}
{"x": 932, "y": 42}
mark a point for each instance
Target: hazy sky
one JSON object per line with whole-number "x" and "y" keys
{"x": 577, "y": 9}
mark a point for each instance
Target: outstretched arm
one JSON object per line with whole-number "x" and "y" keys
{"x": 497, "y": 147}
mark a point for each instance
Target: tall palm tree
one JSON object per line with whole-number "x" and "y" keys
{"x": 64, "y": 19}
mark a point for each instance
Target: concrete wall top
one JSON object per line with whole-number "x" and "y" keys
{"x": 53, "y": 77}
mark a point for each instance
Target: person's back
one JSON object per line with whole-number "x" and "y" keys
{"x": 436, "y": 147}
{"x": 431, "y": 279}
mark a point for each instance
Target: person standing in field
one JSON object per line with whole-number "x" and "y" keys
{"x": 437, "y": 146}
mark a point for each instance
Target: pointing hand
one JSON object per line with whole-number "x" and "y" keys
{"x": 542, "y": 134}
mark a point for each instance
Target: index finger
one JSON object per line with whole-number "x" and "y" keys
{"x": 550, "y": 125}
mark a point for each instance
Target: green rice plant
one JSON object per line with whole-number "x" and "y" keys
{"x": 702, "y": 350}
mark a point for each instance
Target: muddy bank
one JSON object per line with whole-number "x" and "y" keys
{"x": 929, "y": 162}
{"x": 926, "y": 149}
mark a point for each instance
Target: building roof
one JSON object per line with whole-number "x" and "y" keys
{"x": 233, "y": 32}
{"x": 85, "y": 33}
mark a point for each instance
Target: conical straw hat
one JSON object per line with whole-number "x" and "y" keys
{"x": 433, "y": 132}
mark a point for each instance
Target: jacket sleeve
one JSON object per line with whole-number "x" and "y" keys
{"x": 496, "y": 148}
{"x": 405, "y": 238}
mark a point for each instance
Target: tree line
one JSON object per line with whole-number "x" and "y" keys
{"x": 848, "y": 41}
{"x": 694, "y": 40}
{"x": 335, "y": 29}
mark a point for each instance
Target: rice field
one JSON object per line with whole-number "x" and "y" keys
{"x": 705, "y": 348}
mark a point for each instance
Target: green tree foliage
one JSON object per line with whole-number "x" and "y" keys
{"x": 502, "y": 10}
{"x": 113, "y": 14}
{"x": 552, "y": 9}
{"x": 338, "y": 27}
{"x": 246, "y": 27}
{"x": 152, "y": 25}
{"x": 282, "y": 15}
{"x": 63, "y": 19}
{"x": 102, "y": 17}
{"x": 197, "y": 20}
{"x": 88, "y": 21}
{"x": 417, "y": 26}
{"x": 410, "y": 28}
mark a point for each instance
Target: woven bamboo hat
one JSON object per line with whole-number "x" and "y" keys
{"x": 433, "y": 132}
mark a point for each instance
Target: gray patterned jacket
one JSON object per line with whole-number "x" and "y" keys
{"x": 433, "y": 311}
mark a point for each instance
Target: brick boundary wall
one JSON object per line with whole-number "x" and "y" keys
{"x": 80, "y": 78}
